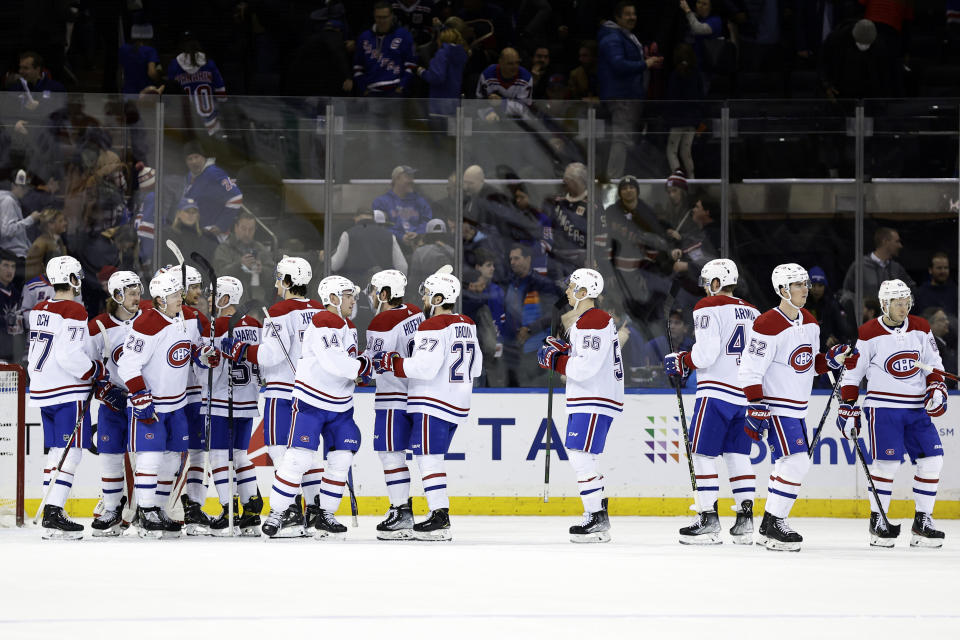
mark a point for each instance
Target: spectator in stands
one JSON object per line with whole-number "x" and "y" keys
{"x": 195, "y": 74}
{"x": 13, "y": 226}
{"x": 479, "y": 238}
{"x": 139, "y": 61}
{"x": 384, "y": 60}
{"x": 699, "y": 239}
{"x": 44, "y": 194}
{"x": 407, "y": 211}
{"x": 871, "y": 309}
{"x": 946, "y": 342}
{"x": 483, "y": 302}
{"x": 242, "y": 257}
{"x": 677, "y": 207}
{"x": 490, "y": 207}
{"x": 12, "y": 323}
{"x": 940, "y": 290}
{"x": 327, "y": 41}
{"x": 703, "y": 26}
{"x": 536, "y": 221}
{"x": 621, "y": 66}
{"x": 684, "y": 116}
{"x": 214, "y": 192}
{"x": 49, "y": 244}
{"x": 35, "y": 87}
{"x": 444, "y": 74}
{"x": 365, "y": 245}
{"x": 570, "y": 221}
{"x": 583, "y": 79}
{"x": 879, "y": 265}
{"x": 145, "y": 214}
{"x": 507, "y": 87}
{"x": 851, "y": 67}
{"x": 417, "y": 16}
{"x": 889, "y": 18}
{"x": 541, "y": 70}
{"x": 436, "y": 251}
{"x": 835, "y": 328}
{"x": 658, "y": 347}
{"x": 528, "y": 309}
{"x": 187, "y": 232}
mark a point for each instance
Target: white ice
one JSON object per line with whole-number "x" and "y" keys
{"x": 501, "y": 577}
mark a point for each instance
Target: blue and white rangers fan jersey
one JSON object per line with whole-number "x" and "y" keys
{"x": 720, "y": 326}
{"x": 217, "y": 195}
{"x": 393, "y": 330}
{"x": 594, "y": 368}
{"x": 288, "y": 323}
{"x": 57, "y": 360}
{"x": 328, "y": 367}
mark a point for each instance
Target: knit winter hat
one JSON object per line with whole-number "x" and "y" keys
{"x": 678, "y": 179}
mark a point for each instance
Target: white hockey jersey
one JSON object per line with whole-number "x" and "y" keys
{"x": 328, "y": 367}
{"x": 35, "y": 291}
{"x": 780, "y": 362}
{"x": 720, "y": 327}
{"x": 594, "y": 367}
{"x": 441, "y": 370}
{"x": 393, "y": 330}
{"x": 57, "y": 360}
{"x": 194, "y": 373}
{"x": 117, "y": 331}
{"x": 289, "y": 320}
{"x": 887, "y": 359}
{"x": 246, "y": 383}
{"x": 157, "y": 357}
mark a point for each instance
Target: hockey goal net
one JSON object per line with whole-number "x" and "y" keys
{"x": 13, "y": 389}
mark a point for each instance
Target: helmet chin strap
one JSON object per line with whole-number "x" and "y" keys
{"x": 579, "y": 300}
{"x": 788, "y": 300}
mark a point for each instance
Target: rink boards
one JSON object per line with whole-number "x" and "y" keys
{"x": 496, "y": 463}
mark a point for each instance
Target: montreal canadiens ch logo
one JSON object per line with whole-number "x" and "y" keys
{"x": 179, "y": 354}
{"x": 802, "y": 358}
{"x": 117, "y": 353}
{"x": 902, "y": 364}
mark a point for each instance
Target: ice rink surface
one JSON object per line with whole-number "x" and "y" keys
{"x": 500, "y": 577}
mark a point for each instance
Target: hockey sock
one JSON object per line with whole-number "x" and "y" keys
{"x": 276, "y": 452}
{"x": 743, "y": 481}
{"x": 145, "y": 483}
{"x": 167, "y": 476}
{"x": 221, "y": 474}
{"x": 196, "y": 490}
{"x": 708, "y": 484}
{"x": 334, "y": 479}
{"x": 64, "y": 482}
{"x": 589, "y": 479}
{"x": 925, "y": 483}
{"x": 311, "y": 483}
{"x": 434, "y": 477}
{"x": 111, "y": 479}
{"x": 882, "y": 473}
{"x": 246, "y": 475}
{"x": 397, "y": 475}
{"x": 286, "y": 479}
{"x": 785, "y": 481}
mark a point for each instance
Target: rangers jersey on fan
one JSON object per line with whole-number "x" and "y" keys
{"x": 720, "y": 327}
{"x": 288, "y": 323}
{"x": 888, "y": 359}
{"x": 393, "y": 330}
{"x": 157, "y": 357}
{"x": 441, "y": 370}
{"x": 780, "y": 362}
{"x": 203, "y": 83}
{"x": 217, "y": 195}
{"x": 192, "y": 316}
{"x": 594, "y": 369}
{"x": 383, "y": 62}
{"x": 117, "y": 331}
{"x": 328, "y": 368}
{"x": 246, "y": 383}
{"x": 57, "y": 360}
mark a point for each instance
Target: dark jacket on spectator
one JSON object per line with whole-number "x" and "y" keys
{"x": 621, "y": 64}
{"x": 931, "y": 295}
{"x": 445, "y": 77}
{"x": 528, "y": 302}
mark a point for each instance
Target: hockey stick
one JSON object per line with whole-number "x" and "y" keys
{"x": 932, "y": 369}
{"x": 894, "y": 528}
{"x": 179, "y": 256}
{"x": 181, "y": 479}
{"x": 353, "y": 496}
{"x": 675, "y": 381}
{"x": 235, "y": 319}
{"x": 554, "y": 326}
{"x": 276, "y": 334}
{"x": 816, "y": 434}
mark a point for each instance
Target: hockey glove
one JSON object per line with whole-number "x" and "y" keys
{"x": 365, "y": 374}
{"x": 96, "y": 373}
{"x": 558, "y": 344}
{"x": 848, "y": 420}
{"x": 233, "y": 349}
{"x": 206, "y": 357}
{"x": 550, "y": 357}
{"x": 935, "y": 400}
{"x": 111, "y": 395}
{"x": 677, "y": 364}
{"x": 838, "y": 353}
{"x": 758, "y": 420}
{"x": 383, "y": 361}
{"x": 143, "y": 410}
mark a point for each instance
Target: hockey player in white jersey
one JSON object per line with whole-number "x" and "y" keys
{"x": 322, "y": 411}
{"x": 154, "y": 367}
{"x": 60, "y": 377}
{"x": 721, "y": 321}
{"x": 277, "y": 354}
{"x": 593, "y": 365}
{"x": 445, "y": 361}
{"x": 393, "y": 329}
{"x": 899, "y": 403}
{"x": 123, "y": 308}
{"x": 244, "y": 377}
{"x": 776, "y": 375}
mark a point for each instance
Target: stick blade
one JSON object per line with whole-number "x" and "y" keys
{"x": 175, "y": 249}
{"x": 204, "y": 264}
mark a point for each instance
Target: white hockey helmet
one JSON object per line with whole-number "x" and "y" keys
{"x": 893, "y": 290}
{"x": 723, "y": 269}
{"x": 389, "y": 278}
{"x": 231, "y": 287}
{"x": 119, "y": 281}
{"x": 193, "y": 275}
{"x": 297, "y": 268}
{"x": 786, "y": 274}
{"x": 166, "y": 281}
{"x": 441, "y": 284}
{"x": 335, "y": 285}
{"x": 60, "y": 270}
{"x": 588, "y": 279}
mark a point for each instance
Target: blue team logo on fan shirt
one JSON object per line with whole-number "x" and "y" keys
{"x": 179, "y": 354}
{"x": 802, "y": 358}
{"x": 902, "y": 364}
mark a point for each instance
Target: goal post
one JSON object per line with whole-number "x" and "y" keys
{"x": 13, "y": 442}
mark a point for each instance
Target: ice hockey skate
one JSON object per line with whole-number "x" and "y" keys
{"x": 742, "y": 529}
{"x": 880, "y": 534}
{"x": 779, "y": 535}
{"x": 594, "y": 528}
{"x": 398, "y": 525}
{"x": 327, "y": 527}
{"x": 284, "y": 524}
{"x": 57, "y": 526}
{"x": 435, "y": 528}
{"x": 310, "y": 517}
{"x": 219, "y": 527}
{"x": 195, "y": 521}
{"x": 705, "y": 529}
{"x": 109, "y": 523}
{"x": 925, "y": 533}
{"x": 171, "y": 528}
{"x": 149, "y": 523}
{"x": 249, "y": 522}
